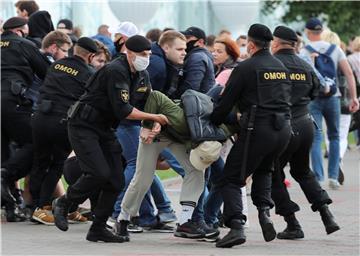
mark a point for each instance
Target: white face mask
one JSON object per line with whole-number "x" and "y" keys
{"x": 141, "y": 63}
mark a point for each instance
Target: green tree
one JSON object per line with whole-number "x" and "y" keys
{"x": 342, "y": 17}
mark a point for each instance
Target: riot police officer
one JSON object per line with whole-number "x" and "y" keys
{"x": 260, "y": 88}
{"x": 91, "y": 133}
{"x": 63, "y": 85}
{"x": 305, "y": 87}
{"x": 20, "y": 60}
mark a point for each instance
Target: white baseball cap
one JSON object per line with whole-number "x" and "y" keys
{"x": 125, "y": 28}
{"x": 205, "y": 154}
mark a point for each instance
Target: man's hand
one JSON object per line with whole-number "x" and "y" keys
{"x": 354, "y": 105}
{"x": 156, "y": 128}
{"x": 162, "y": 119}
{"x": 147, "y": 136}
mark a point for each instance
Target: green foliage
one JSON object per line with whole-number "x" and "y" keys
{"x": 341, "y": 17}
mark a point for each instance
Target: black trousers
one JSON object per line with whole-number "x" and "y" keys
{"x": 72, "y": 172}
{"x": 99, "y": 155}
{"x": 15, "y": 127}
{"x": 266, "y": 144}
{"x": 297, "y": 154}
{"x": 51, "y": 148}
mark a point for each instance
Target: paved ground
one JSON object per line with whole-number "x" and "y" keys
{"x": 32, "y": 239}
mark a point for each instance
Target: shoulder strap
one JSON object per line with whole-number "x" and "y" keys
{"x": 330, "y": 50}
{"x": 310, "y": 49}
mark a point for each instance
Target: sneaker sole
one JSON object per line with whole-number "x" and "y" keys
{"x": 212, "y": 235}
{"x": 187, "y": 235}
{"x": 77, "y": 222}
{"x": 209, "y": 240}
{"x": 43, "y": 222}
{"x": 231, "y": 243}
{"x": 135, "y": 231}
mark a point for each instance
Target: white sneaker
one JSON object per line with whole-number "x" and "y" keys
{"x": 334, "y": 184}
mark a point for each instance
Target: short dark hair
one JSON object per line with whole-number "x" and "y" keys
{"x": 260, "y": 44}
{"x": 28, "y": 5}
{"x": 153, "y": 34}
{"x": 241, "y": 37}
{"x": 210, "y": 40}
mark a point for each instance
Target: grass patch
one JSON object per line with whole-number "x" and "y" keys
{"x": 166, "y": 174}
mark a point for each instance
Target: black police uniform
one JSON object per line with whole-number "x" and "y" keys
{"x": 260, "y": 81}
{"x": 91, "y": 133}
{"x": 63, "y": 85}
{"x": 20, "y": 60}
{"x": 305, "y": 87}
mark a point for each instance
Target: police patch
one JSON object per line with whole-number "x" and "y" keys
{"x": 124, "y": 96}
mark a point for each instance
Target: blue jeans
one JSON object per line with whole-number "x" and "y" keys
{"x": 329, "y": 108}
{"x": 128, "y": 136}
{"x": 214, "y": 199}
{"x": 161, "y": 200}
{"x": 209, "y": 203}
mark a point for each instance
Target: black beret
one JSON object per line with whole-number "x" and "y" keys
{"x": 138, "y": 43}
{"x": 285, "y": 33}
{"x": 14, "y": 22}
{"x": 88, "y": 44}
{"x": 260, "y": 32}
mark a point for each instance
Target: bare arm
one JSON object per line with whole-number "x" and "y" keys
{"x": 346, "y": 69}
{"x": 139, "y": 115}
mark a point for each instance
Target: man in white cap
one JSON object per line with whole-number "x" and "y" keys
{"x": 122, "y": 32}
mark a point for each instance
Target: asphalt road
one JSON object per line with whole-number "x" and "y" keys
{"x": 35, "y": 239}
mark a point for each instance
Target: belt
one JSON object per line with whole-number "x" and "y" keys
{"x": 301, "y": 118}
{"x": 89, "y": 113}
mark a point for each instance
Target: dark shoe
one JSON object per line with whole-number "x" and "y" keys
{"x": 159, "y": 228}
{"x": 235, "y": 236}
{"x": 210, "y": 232}
{"x": 14, "y": 214}
{"x": 341, "y": 177}
{"x": 293, "y": 229}
{"x": 167, "y": 217}
{"x": 189, "y": 230}
{"x": 6, "y": 194}
{"x": 121, "y": 229}
{"x": 96, "y": 234}
{"x": 134, "y": 228}
{"x": 60, "y": 209}
{"x": 266, "y": 224}
{"x": 328, "y": 220}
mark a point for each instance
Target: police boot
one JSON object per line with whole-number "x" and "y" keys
{"x": 99, "y": 232}
{"x": 293, "y": 229}
{"x": 60, "y": 209}
{"x": 328, "y": 219}
{"x": 235, "y": 236}
{"x": 6, "y": 194}
{"x": 13, "y": 213}
{"x": 121, "y": 229}
{"x": 266, "y": 224}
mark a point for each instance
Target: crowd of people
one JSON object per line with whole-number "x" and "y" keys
{"x": 108, "y": 110}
